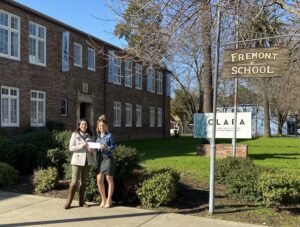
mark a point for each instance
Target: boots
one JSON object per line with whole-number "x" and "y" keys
{"x": 81, "y": 196}
{"x": 71, "y": 193}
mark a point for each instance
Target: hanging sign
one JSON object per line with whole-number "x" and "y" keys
{"x": 255, "y": 62}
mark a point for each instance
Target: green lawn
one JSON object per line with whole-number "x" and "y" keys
{"x": 180, "y": 154}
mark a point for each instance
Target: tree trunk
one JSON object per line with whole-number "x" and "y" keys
{"x": 267, "y": 131}
{"x": 207, "y": 64}
{"x": 280, "y": 123}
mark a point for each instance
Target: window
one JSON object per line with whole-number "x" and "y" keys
{"x": 152, "y": 116}
{"x": 64, "y": 107}
{"x": 117, "y": 114}
{"x": 128, "y": 110}
{"x": 150, "y": 80}
{"x": 9, "y": 106}
{"x": 118, "y": 71}
{"x": 91, "y": 59}
{"x": 138, "y": 115}
{"x": 128, "y": 73}
{"x": 77, "y": 54}
{"x": 138, "y": 76}
{"x": 37, "y": 108}
{"x": 159, "y": 117}
{"x": 9, "y": 35}
{"x": 159, "y": 83}
{"x": 114, "y": 68}
{"x": 168, "y": 85}
{"x": 37, "y": 44}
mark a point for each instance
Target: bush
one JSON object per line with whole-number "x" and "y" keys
{"x": 91, "y": 192}
{"x": 126, "y": 182}
{"x": 67, "y": 171}
{"x": 55, "y": 125}
{"x": 242, "y": 183}
{"x": 57, "y": 158}
{"x": 278, "y": 188}
{"x": 8, "y": 174}
{"x": 225, "y": 165}
{"x": 45, "y": 179}
{"x": 158, "y": 188}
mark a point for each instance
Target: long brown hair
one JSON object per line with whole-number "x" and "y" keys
{"x": 88, "y": 126}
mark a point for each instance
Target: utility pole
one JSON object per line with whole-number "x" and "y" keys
{"x": 213, "y": 139}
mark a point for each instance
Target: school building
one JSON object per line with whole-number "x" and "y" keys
{"x": 52, "y": 72}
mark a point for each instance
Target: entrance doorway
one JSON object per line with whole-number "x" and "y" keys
{"x": 82, "y": 110}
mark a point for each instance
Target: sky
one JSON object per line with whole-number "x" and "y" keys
{"x": 91, "y": 16}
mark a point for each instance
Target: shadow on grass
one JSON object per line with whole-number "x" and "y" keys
{"x": 274, "y": 155}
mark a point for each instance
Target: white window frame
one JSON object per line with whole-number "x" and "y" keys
{"x": 159, "y": 83}
{"x": 117, "y": 114}
{"x": 138, "y": 77}
{"x": 79, "y": 46}
{"x": 159, "y": 117}
{"x": 11, "y": 30}
{"x": 128, "y": 111}
{"x": 34, "y": 59}
{"x": 91, "y": 59}
{"x": 150, "y": 80}
{"x": 38, "y": 100}
{"x": 64, "y": 106}
{"x": 128, "y": 73}
{"x": 138, "y": 116}
{"x": 118, "y": 70}
{"x": 10, "y": 97}
{"x": 152, "y": 116}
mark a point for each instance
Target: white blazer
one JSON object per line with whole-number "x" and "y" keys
{"x": 80, "y": 154}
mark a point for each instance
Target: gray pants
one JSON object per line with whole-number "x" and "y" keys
{"x": 81, "y": 172}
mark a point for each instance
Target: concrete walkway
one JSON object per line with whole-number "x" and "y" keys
{"x": 28, "y": 210}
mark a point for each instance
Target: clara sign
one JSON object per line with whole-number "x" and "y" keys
{"x": 255, "y": 62}
{"x": 224, "y": 125}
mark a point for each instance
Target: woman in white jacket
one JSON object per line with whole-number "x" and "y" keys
{"x": 81, "y": 162}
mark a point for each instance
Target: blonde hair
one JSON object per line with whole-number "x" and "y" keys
{"x": 103, "y": 121}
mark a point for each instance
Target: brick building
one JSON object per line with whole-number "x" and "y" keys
{"x": 50, "y": 71}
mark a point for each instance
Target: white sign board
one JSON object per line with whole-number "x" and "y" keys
{"x": 203, "y": 123}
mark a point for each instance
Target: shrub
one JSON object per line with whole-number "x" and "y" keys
{"x": 126, "y": 183}
{"x": 158, "y": 188}
{"x": 57, "y": 158}
{"x": 278, "y": 188}
{"x": 67, "y": 171}
{"x": 225, "y": 165}
{"x": 242, "y": 183}
{"x": 8, "y": 174}
{"x": 55, "y": 125}
{"x": 45, "y": 179}
{"x": 62, "y": 140}
{"x": 91, "y": 192}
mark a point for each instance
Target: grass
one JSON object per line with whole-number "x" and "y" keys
{"x": 180, "y": 154}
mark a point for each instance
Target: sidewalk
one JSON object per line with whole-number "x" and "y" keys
{"x": 28, "y": 210}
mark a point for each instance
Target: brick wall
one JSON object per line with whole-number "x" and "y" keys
{"x": 57, "y": 84}
{"x": 223, "y": 150}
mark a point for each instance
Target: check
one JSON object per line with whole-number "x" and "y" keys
{"x": 94, "y": 145}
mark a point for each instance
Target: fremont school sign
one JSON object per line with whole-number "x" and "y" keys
{"x": 255, "y": 62}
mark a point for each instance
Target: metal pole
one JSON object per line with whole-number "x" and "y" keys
{"x": 235, "y": 87}
{"x": 213, "y": 139}
{"x": 235, "y": 117}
